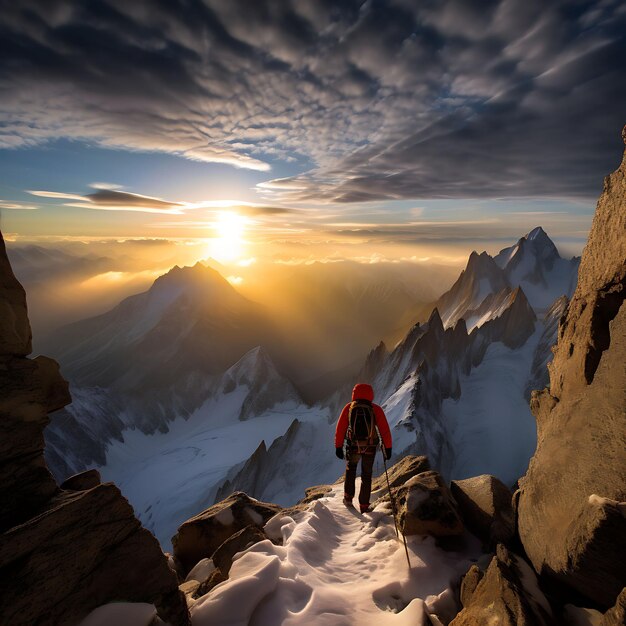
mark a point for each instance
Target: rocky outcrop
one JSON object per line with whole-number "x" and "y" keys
{"x": 85, "y": 549}
{"x": 400, "y": 472}
{"x": 484, "y": 503}
{"x": 63, "y": 550}
{"x": 202, "y": 535}
{"x": 507, "y": 595}
{"x": 571, "y": 503}
{"x": 240, "y": 541}
{"x": 426, "y": 507}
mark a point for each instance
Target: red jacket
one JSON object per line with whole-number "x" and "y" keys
{"x": 362, "y": 392}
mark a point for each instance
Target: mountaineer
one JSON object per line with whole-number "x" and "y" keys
{"x": 360, "y": 424}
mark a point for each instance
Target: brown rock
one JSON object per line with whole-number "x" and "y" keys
{"x": 616, "y": 615}
{"x": 507, "y": 595}
{"x": 86, "y": 549}
{"x": 484, "y": 503}
{"x": 15, "y": 334}
{"x": 215, "y": 578}
{"x": 200, "y": 536}
{"x": 425, "y": 507}
{"x": 85, "y": 480}
{"x": 240, "y": 541}
{"x": 469, "y": 583}
{"x": 567, "y": 532}
{"x": 405, "y": 468}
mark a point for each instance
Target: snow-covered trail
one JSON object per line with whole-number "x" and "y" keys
{"x": 336, "y": 567}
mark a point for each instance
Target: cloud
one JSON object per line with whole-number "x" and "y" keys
{"x": 368, "y": 101}
{"x": 115, "y": 200}
{"x": 20, "y": 206}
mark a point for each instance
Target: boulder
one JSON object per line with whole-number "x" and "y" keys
{"x": 570, "y": 505}
{"x": 85, "y": 549}
{"x": 426, "y": 507}
{"x": 484, "y": 503}
{"x": 240, "y": 541}
{"x": 202, "y": 535}
{"x": 507, "y": 595}
{"x": 63, "y": 552}
{"x": 400, "y": 472}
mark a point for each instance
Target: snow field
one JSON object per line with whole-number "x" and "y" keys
{"x": 492, "y": 428}
{"x": 169, "y": 477}
{"x": 336, "y": 567}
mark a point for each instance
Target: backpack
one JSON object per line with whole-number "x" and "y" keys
{"x": 362, "y": 425}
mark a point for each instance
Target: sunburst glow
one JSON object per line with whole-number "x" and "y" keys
{"x": 229, "y": 243}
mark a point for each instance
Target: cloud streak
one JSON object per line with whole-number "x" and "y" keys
{"x": 377, "y": 100}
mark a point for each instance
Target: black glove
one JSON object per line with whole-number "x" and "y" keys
{"x": 387, "y": 453}
{"x": 339, "y": 453}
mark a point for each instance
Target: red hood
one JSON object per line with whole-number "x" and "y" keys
{"x": 363, "y": 392}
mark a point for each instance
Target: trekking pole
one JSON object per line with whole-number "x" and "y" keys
{"x": 393, "y": 507}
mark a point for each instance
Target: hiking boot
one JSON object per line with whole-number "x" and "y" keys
{"x": 347, "y": 500}
{"x": 365, "y": 508}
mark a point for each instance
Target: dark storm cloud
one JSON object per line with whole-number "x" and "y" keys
{"x": 388, "y": 100}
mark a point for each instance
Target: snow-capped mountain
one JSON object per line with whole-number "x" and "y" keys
{"x": 533, "y": 264}
{"x": 456, "y": 390}
{"x": 157, "y": 356}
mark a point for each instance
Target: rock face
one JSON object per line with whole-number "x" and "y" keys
{"x": 570, "y": 519}
{"x": 425, "y": 507}
{"x": 63, "y": 551}
{"x": 202, "y": 535}
{"x": 616, "y": 615}
{"x": 248, "y": 536}
{"x": 484, "y": 503}
{"x": 507, "y": 595}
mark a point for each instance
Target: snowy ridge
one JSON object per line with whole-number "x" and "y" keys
{"x": 533, "y": 264}
{"x": 335, "y": 568}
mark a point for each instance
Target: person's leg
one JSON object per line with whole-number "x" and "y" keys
{"x": 352, "y": 461}
{"x": 367, "y": 463}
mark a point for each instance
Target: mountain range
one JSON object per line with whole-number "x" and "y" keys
{"x": 183, "y": 378}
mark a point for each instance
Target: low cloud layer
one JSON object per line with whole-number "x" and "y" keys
{"x": 369, "y": 100}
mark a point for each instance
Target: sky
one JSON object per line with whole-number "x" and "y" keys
{"x": 303, "y": 130}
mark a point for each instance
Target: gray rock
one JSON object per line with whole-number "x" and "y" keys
{"x": 484, "y": 503}
{"x": 202, "y": 535}
{"x": 426, "y": 507}
{"x": 570, "y": 519}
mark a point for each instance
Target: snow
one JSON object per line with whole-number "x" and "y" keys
{"x": 121, "y": 614}
{"x": 201, "y": 570}
{"x": 191, "y": 459}
{"x": 335, "y": 568}
{"x": 492, "y": 428}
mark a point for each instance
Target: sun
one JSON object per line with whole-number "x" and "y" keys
{"x": 229, "y": 243}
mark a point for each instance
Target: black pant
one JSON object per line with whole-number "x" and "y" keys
{"x": 367, "y": 463}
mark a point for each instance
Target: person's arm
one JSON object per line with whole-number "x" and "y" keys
{"x": 342, "y": 427}
{"x": 383, "y": 426}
